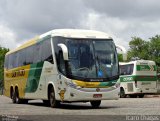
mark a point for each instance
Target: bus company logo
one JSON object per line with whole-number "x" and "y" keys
{"x": 18, "y": 73}
{"x": 128, "y": 79}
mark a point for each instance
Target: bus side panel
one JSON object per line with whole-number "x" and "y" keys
{"x": 39, "y": 77}
{"x": 34, "y": 77}
{"x": 16, "y": 77}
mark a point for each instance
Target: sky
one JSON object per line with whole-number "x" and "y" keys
{"x": 21, "y": 20}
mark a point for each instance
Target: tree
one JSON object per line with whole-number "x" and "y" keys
{"x": 3, "y": 51}
{"x": 138, "y": 49}
{"x": 120, "y": 57}
{"x": 154, "y": 49}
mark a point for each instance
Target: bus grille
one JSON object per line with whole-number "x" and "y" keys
{"x": 130, "y": 87}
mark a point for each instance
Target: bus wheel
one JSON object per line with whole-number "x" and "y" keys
{"x": 16, "y": 97}
{"x": 95, "y": 104}
{"x": 122, "y": 93}
{"x": 53, "y": 102}
{"x": 13, "y": 97}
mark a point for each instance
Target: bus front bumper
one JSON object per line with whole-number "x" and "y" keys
{"x": 89, "y": 94}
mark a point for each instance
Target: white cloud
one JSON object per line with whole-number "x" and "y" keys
{"x": 121, "y": 19}
{"x": 7, "y": 37}
{"x": 121, "y": 30}
{"x": 112, "y": 26}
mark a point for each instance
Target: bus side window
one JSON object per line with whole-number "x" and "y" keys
{"x": 29, "y": 55}
{"x": 37, "y": 53}
{"x": 6, "y": 61}
{"x": 10, "y": 61}
{"x": 46, "y": 51}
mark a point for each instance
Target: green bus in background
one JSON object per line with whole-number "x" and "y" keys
{"x": 138, "y": 78}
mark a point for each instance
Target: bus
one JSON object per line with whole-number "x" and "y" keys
{"x": 63, "y": 65}
{"x": 138, "y": 78}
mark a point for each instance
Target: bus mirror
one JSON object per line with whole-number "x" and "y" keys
{"x": 64, "y": 50}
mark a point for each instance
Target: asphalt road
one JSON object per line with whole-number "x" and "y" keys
{"x": 117, "y": 110}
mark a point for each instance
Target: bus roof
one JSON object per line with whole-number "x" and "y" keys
{"x": 70, "y": 33}
{"x": 139, "y": 62}
{"x": 76, "y": 33}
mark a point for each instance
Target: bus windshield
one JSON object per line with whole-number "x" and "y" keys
{"x": 93, "y": 59}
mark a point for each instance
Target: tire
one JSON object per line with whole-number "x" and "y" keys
{"x": 53, "y": 102}
{"x": 95, "y": 104}
{"x": 16, "y": 96}
{"x": 122, "y": 93}
{"x": 13, "y": 97}
{"x": 17, "y": 100}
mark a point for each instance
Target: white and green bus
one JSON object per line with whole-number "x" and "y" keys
{"x": 63, "y": 65}
{"x": 138, "y": 78}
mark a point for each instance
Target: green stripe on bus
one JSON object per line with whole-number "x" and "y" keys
{"x": 110, "y": 83}
{"x": 146, "y": 68}
{"x": 138, "y": 78}
{"x": 34, "y": 77}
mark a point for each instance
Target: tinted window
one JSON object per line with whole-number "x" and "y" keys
{"x": 11, "y": 60}
{"x": 46, "y": 51}
{"x": 29, "y": 55}
{"x": 37, "y": 53}
{"x": 126, "y": 69}
{"x": 22, "y": 58}
{"x": 15, "y": 61}
{"x": 6, "y": 61}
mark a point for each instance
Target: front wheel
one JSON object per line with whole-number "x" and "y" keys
{"x": 53, "y": 102}
{"x": 122, "y": 93}
{"x": 95, "y": 104}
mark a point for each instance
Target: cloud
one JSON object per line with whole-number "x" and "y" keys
{"x": 126, "y": 9}
{"x": 7, "y": 37}
{"x": 122, "y": 19}
{"x": 121, "y": 30}
{"x": 31, "y": 17}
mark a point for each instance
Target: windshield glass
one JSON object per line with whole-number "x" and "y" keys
{"x": 92, "y": 58}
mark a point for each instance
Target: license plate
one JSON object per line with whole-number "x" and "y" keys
{"x": 97, "y": 95}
